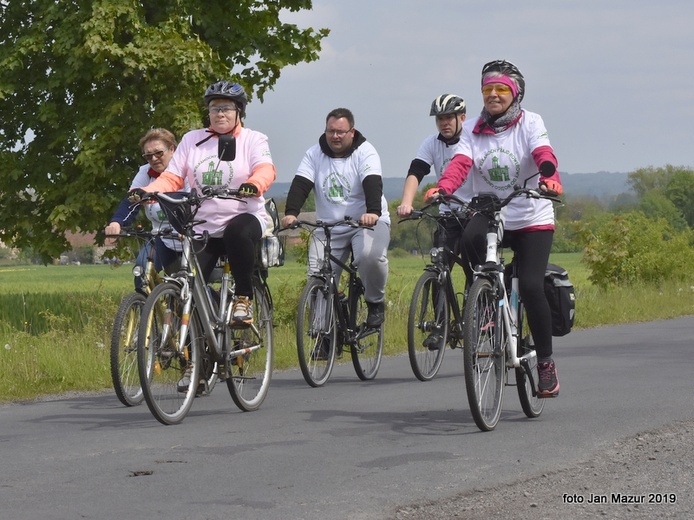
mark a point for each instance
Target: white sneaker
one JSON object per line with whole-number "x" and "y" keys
{"x": 184, "y": 382}
{"x": 242, "y": 311}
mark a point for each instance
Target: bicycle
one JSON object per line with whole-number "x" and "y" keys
{"x": 185, "y": 335}
{"x": 436, "y": 308}
{"x": 495, "y": 332}
{"x": 328, "y": 320}
{"x": 123, "y": 355}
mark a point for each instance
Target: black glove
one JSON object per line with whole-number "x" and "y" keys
{"x": 136, "y": 195}
{"x": 248, "y": 190}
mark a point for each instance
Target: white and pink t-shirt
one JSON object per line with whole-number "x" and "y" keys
{"x": 200, "y": 166}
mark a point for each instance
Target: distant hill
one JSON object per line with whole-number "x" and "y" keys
{"x": 600, "y": 185}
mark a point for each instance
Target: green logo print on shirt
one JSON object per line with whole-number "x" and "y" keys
{"x": 498, "y": 173}
{"x": 212, "y": 176}
{"x": 334, "y": 191}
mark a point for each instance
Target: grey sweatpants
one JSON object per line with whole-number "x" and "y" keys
{"x": 370, "y": 248}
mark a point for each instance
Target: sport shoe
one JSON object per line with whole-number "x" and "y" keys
{"x": 322, "y": 350}
{"x": 548, "y": 385}
{"x": 242, "y": 311}
{"x": 184, "y": 382}
{"x": 433, "y": 341}
{"x": 377, "y": 314}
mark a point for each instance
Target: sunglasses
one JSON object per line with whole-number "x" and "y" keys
{"x": 154, "y": 155}
{"x": 500, "y": 88}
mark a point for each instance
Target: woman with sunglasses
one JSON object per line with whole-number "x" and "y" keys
{"x": 157, "y": 146}
{"x": 504, "y": 147}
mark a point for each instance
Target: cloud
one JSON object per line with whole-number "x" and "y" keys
{"x": 612, "y": 80}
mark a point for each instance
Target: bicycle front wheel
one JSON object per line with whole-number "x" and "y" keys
{"x": 367, "y": 349}
{"x": 250, "y": 354}
{"x": 316, "y": 332}
{"x": 427, "y": 326}
{"x": 168, "y": 371}
{"x": 126, "y": 327}
{"x": 531, "y": 404}
{"x": 484, "y": 354}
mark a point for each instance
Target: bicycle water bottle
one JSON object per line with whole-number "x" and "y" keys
{"x": 491, "y": 247}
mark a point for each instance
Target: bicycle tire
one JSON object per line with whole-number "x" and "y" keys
{"x": 484, "y": 355}
{"x": 531, "y": 404}
{"x": 367, "y": 350}
{"x": 161, "y": 363}
{"x": 428, "y": 320}
{"x": 316, "y": 332}
{"x": 124, "y": 372}
{"x": 249, "y": 374}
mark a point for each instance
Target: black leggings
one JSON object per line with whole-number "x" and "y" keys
{"x": 531, "y": 249}
{"x": 239, "y": 243}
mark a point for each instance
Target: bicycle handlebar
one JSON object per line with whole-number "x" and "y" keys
{"x": 491, "y": 202}
{"x": 140, "y": 232}
{"x": 208, "y": 192}
{"x": 442, "y": 198}
{"x": 347, "y": 221}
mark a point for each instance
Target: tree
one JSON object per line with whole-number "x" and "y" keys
{"x": 82, "y": 80}
{"x": 644, "y": 180}
{"x": 633, "y": 249}
{"x": 680, "y": 191}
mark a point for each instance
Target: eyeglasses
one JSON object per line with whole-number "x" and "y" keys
{"x": 338, "y": 133}
{"x": 154, "y": 155}
{"x": 499, "y": 87}
{"x": 225, "y": 109}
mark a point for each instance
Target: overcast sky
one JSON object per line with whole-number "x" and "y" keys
{"x": 612, "y": 79}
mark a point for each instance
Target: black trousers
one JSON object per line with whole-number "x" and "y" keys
{"x": 531, "y": 250}
{"x": 239, "y": 242}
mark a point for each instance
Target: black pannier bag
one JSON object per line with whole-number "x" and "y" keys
{"x": 562, "y": 299}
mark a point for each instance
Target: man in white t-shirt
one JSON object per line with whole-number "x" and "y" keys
{"x": 344, "y": 171}
{"x": 437, "y": 149}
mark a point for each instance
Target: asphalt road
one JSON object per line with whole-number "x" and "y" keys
{"x": 350, "y": 450}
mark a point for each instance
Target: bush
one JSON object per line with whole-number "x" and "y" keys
{"x": 632, "y": 248}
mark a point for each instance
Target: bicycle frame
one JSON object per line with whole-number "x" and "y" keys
{"x": 494, "y": 271}
{"x": 440, "y": 255}
{"x": 349, "y": 331}
{"x": 439, "y": 265}
{"x": 194, "y": 292}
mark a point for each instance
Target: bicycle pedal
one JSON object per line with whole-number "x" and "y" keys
{"x": 240, "y": 325}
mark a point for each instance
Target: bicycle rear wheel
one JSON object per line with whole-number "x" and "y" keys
{"x": 316, "y": 332}
{"x": 532, "y": 405}
{"x": 427, "y": 326}
{"x": 367, "y": 350}
{"x": 484, "y": 354}
{"x": 126, "y": 327}
{"x": 250, "y": 353}
{"x": 168, "y": 373}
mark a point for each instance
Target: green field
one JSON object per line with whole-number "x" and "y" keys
{"x": 55, "y": 321}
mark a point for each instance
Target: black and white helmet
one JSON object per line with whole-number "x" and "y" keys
{"x": 447, "y": 104}
{"x": 507, "y": 69}
{"x": 227, "y": 90}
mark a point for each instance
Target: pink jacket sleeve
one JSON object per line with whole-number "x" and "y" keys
{"x": 545, "y": 153}
{"x": 455, "y": 173}
{"x": 262, "y": 177}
